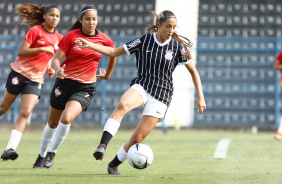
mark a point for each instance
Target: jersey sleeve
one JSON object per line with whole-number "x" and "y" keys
{"x": 182, "y": 61}
{"x": 109, "y": 41}
{"x": 65, "y": 43}
{"x": 133, "y": 46}
{"x": 31, "y": 35}
{"x": 279, "y": 57}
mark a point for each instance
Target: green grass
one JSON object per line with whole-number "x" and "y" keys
{"x": 184, "y": 156}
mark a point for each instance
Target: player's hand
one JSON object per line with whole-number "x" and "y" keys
{"x": 50, "y": 72}
{"x": 201, "y": 106}
{"x": 48, "y": 49}
{"x": 102, "y": 74}
{"x": 60, "y": 72}
{"x": 82, "y": 43}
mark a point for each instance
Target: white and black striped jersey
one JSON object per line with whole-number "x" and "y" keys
{"x": 155, "y": 62}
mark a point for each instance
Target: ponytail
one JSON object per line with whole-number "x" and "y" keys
{"x": 152, "y": 28}
{"x": 32, "y": 15}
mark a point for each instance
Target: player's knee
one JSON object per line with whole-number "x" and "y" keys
{"x": 3, "y": 110}
{"x": 66, "y": 120}
{"x": 25, "y": 114}
{"x": 137, "y": 139}
{"x": 123, "y": 106}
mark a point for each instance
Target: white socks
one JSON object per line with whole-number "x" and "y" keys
{"x": 122, "y": 155}
{"x": 60, "y": 135}
{"x": 15, "y": 139}
{"x": 47, "y": 137}
{"x": 280, "y": 126}
{"x": 111, "y": 126}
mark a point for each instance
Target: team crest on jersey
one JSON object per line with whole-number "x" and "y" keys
{"x": 134, "y": 43}
{"x": 41, "y": 41}
{"x": 39, "y": 86}
{"x": 168, "y": 55}
{"x": 15, "y": 81}
{"x": 76, "y": 47}
{"x": 57, "y": 92}
{"x": 56, "y": 46}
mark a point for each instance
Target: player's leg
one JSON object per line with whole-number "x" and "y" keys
{"x": 131, "y": 99}
{"x": 145, "y": 126}
{"x": 48, "y": 135}
{"x": 72, "y": 110}
{"x": 28, "y": 102}
{"x": 278, "y": 134}
{"x": 7, "y": 102}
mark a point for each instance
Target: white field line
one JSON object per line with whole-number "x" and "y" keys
{"x": 221, "y": 148}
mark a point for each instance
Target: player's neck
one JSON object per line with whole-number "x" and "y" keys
{"x": 160, "y": 38}
{"x": 48, "y": 29}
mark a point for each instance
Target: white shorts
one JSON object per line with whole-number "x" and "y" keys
{"x": 152, "y": 107}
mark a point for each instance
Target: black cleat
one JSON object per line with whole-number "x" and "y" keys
{"x": 100, "y": 151}
{"x": 114, "y": 171}
{"x": 9, "y": 154}
{"x": 39, "y": 162}
{"x": 49, "y": 159}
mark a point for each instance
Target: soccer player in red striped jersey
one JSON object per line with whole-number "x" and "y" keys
{"x": 278, "y": 66}
{"x": 74, "y": 87}
{"x": 157, "y": 55}
{"x": 27, "y": 75}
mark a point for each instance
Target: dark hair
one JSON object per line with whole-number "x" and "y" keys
{"x": 77, "y": 24}
{"x": 152, "y": 28}
{"x": 32, "y": 15}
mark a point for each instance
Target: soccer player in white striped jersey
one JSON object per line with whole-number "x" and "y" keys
{"x": 157, "y": 55}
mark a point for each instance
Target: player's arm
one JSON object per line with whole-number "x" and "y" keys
{"x": 50, "y": 70}
{"x": 107, "y": 74}
{"x": 277, "y": 66}
{"x": 56, "y": 64}
{"x": 201, "y": 105}
{"x": 25, "y": 49}
{"x": 105, "y": 50}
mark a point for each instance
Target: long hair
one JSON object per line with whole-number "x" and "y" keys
{"x": 77, "y": 24}
{"x": 152, "y": 28}
{"x": 32, "y": 15}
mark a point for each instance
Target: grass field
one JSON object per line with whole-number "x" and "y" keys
{"x": 184, "y": 156}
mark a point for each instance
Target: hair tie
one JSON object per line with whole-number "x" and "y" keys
{"x": 87, "y": 10}
{"x": 161, "y": 19}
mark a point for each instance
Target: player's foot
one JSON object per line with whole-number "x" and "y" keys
{"x": 49, "y": 159}
{"x": 9, "y": 154}
{"x": 100, "y": 151}
{"x": 113, "y": 170}
{"x": 278, "y": 135}
{"x": 39, "y": 162}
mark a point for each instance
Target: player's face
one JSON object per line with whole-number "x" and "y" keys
{"x": 52, "y": 18}
{"x": 167, "y": 28}
{"x": 89, "y": 22}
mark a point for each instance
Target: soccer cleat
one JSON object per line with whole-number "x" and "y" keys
{"x": 100, "y": 151}
{"x": 9, "y": 154}
{"x": 49, "y": 159}
{"x": 114, "y": 170}
{"x": 39, "y": 162}
{"x": 278, "y": 135}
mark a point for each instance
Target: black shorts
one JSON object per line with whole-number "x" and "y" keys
{"x": 17, "y": 83}
{"x": 65, "y": 90}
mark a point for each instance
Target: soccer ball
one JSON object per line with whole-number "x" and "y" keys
{"x": 140, "y": 156}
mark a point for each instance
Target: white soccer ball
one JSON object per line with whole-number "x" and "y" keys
{"x": 140, "y": 156}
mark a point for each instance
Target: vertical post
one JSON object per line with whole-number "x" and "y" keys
{"x": 277, "y": 87}
{"x": 103, "y": 94}
{"x": 16, "y": 103}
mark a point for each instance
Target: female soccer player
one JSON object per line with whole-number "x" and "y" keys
{"x": 278, "y": 66}
{"x": 27, "y": 75}
{"x": 157, "y": 55}
{"x": 74, "y": 87}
